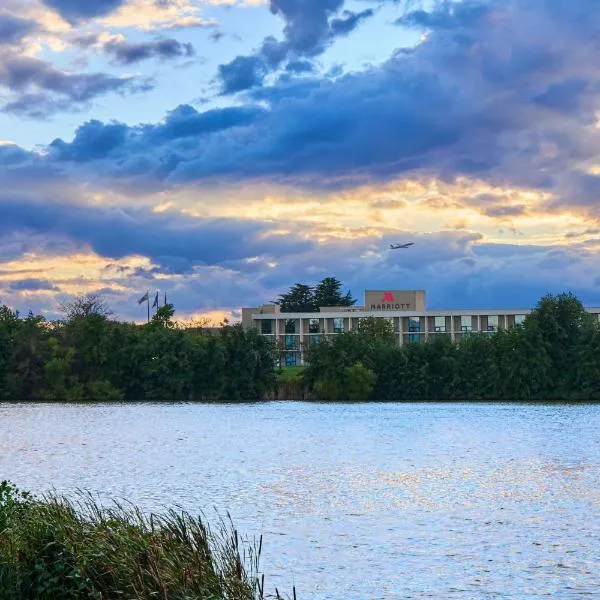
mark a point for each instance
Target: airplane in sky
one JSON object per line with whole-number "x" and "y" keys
{"x": 398, "y": 246}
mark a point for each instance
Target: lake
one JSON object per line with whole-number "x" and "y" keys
{"x": 355, "y": 501}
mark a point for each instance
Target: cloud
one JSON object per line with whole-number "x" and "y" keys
{"x": 349, "y": 22}
{"x": 310, "y": 27}
{"x": 172, "y": 240}
{"x": 42, "y": 89}
{"x": 242, "y": 73}
{"x": 13, "y": 29}
{"x": 500, "y": 95}
{"x": 95, "y": 141}
{"x": 80, "y": 10}
{"x": 485, "y": 96}
{"x": 505, "y": 211}
{"x": 32, "y": 285}
{"x": 149, "y": 15}
{"x": 300, "y": 66}
{"x": 128, "y": 53}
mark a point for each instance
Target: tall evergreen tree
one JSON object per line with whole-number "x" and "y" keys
{"x": 300, "y": 298}
{"x": 328, "y": 292}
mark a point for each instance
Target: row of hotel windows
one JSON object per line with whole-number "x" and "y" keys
{"x": 414, "y": 325}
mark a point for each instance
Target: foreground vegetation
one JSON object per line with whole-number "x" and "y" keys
{"x": 53, "y": 549}
{"x": 555, "y": 355}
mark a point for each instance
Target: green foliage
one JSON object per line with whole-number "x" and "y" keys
{"x": 300, "y": 298}
{"x": 554, "y": 356}
{"x": 250, "y": 360}
{"x": 291, "y": 375}
{"x": 304, "y": 298}
{"x": 376, "y": 329}
{"x": 562, "y": 325}
{"x": 355, "y": 384}
{"x": 52, "y": 549}
{"x": 88, "y": 357}
{"x": 328, "y": 292}
{"x": 164, "y": 316}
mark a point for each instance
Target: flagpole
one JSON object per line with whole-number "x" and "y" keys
{"x": 148, "y": 303}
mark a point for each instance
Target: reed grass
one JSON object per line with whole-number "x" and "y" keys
{"x": 52, "y": 548}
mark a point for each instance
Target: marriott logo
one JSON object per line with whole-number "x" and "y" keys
{"x": 388, "y": 302}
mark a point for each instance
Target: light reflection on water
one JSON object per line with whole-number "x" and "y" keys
{"x": 355, "y": 501}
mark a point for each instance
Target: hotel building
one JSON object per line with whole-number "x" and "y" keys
{"x": 404, "y": 309}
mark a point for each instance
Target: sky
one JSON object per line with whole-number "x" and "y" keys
{"x": 222, "y": 150}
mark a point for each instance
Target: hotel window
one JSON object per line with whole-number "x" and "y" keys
{"x": 290, "y": 359}
{"x": 414, "y": 325}
{"x": 290, "y": 325}
{"x": 519, "y": 320}
{"x": 338, "y": 326}
{"x": 439, "y": 324}
{"x": 291, "y": 342}
{"x": 492, "y": 323}
{"x": 314, "y": 338}
{"x": 266, "y": 327}
{"x": 466, "y": 323}
{"x": 314, "y": 326}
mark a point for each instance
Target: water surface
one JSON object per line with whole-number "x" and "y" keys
{"x": 358, "y": 501}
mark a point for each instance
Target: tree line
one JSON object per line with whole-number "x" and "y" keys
{"x": 554, "y": 355}
{"x": 88, "y": 356}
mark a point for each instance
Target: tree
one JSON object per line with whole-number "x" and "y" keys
{"x": 9, "y": 325}
{"x": 164, "y": 316}
{"x": 376, "y": 329}
{"x": 300, "y": 298}
{"x": 328, "y": 293}
{"x": 304, "y": 298}
{"x": 30, "y": 353}
{"x": 476, "y": 369}
{"x": 85, "y": 306}
{"x": 355, "y": 384}
{"x": 562, "y": 323}
{"x": 440, "y": 357}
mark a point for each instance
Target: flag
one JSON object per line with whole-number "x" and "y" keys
{"x": 165, "y": 298}
{"x": 144, "y": 298}
{"x": 155, "y": 301}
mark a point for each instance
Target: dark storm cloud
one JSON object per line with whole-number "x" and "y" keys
{"x": 310, "y": 27}
{"x": 79, "y": 10}
{"x": 96, "y": 141}
{"x": 506, "y": 91}
{"x": 172, "y": 240}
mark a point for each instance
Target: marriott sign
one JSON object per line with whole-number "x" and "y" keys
{"x": 410, "y": 300}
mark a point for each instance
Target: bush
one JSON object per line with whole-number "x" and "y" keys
{"x": 355, "y": 385}
{"x": 52, "y": 549}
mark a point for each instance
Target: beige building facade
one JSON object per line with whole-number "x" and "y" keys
{"x": 405, "y": 310}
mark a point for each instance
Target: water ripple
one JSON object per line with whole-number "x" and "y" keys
{"x": 356, "y": 501}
